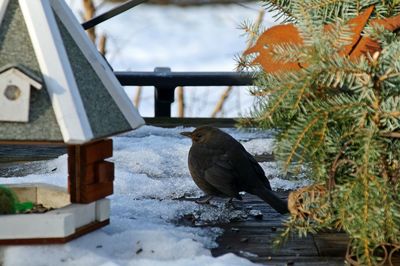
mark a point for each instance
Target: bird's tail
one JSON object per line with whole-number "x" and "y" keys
{"x": 273, "y": 200}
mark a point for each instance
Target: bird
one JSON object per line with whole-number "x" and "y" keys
{"x": 220, "y": 166}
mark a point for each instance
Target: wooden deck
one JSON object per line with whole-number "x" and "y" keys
{"x": 252, "y": 238}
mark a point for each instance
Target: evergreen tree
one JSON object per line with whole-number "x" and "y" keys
{"x": 340, "y": 117}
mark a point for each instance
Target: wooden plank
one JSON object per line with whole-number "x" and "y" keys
{"x": 89, "y": 174}
{"x": 260, "y": 242}
{"x": 97, "y": 172}
{"x": 86, "y": 169}
{"x": 96, "y": 151}
{"x": 264, "y": 157}
{"x": 96, "y": 191}
{"x": 74, "y": 173}
{"x": 105, "y": 171}
{"x": 331, "y": 244}
{"x": 298, "y": 260}
{"x": 253, "y": 239}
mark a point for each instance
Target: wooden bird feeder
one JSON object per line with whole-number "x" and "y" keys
{"x": 56, "y": 88}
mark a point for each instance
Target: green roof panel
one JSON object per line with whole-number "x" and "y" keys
{"x": 104, "y": 115}
{"x": 16, "y": 49}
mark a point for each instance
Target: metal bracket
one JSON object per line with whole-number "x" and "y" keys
{"x": 164, "y": 96}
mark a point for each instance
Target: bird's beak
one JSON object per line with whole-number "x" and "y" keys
{"x": 187, "y": 134}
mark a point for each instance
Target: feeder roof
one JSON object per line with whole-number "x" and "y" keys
{"x": 81, "y": 100}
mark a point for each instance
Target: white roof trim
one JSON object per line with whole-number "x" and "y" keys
{"x": 3, "y": 7}
{"x": 23, "y": 76}
{"x": 98, "y": 63}
{"x": 56, "y": 70}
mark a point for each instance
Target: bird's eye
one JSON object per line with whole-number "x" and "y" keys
{"x": 198, "y": 135}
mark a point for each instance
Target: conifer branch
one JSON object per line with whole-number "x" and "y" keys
{"x": 340, "y": 117}
{"x": 300, "y": 137}
{"x": 395, "y": 135}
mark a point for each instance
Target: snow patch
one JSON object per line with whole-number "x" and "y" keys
{"x": 259, "y": 146}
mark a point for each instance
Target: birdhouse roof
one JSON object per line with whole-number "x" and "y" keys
{"x": 22, "y": 72}
{"x": 81, "y": 100}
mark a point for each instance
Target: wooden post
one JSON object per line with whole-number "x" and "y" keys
{"x": 220, "y": 104}
{"x": 90, "y": 177}
{"x": 89, "y": 11}
{"x": 181, "y": 102}
{"x": 74, "y": 173}
{"x": 102, "y": 45}
{"x": 138, "y": 96}
{"x": 227, "y": 92}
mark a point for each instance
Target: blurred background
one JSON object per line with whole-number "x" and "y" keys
{"x": 185, "y": 35}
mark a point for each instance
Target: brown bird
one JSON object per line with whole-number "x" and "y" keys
{"x": 220, "y": 166}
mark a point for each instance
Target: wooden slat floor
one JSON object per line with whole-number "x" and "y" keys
{"x": 253, "y": 237}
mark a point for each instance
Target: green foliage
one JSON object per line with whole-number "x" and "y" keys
{"x": 329, "y": 10}
{"x": 7, "y": 201}
{"x": 341, "y": 118}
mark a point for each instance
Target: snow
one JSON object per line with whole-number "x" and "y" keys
{"x": 201, "y": 38}
{"x": 147, "y": 207}
{"x": 258, "y": 146}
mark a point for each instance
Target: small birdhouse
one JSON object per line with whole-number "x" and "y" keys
{"x": 56, "y": 88}
{"x": 15, "y": 92}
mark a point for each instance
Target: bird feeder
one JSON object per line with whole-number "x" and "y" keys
{"x": 56, "y": 88}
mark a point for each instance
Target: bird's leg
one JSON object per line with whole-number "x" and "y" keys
{"x": 205, "y": 200}
{"x": 229, "y": 203}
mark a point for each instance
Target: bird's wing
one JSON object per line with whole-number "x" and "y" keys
{"x": 222, "y": 175}
{"x": 250, "y": 175}
{"x": 258, "y": 169}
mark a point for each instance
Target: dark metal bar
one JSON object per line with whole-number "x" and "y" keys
{"x": 164, "y": 95}
{"x": 175, "y": 79}
{"x": 111, "y": 13}
{"x": 165, "y": 82}
{"x": 188, "y": 122}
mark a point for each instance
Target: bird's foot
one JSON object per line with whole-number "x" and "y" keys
{"x": 205, "y": 200}
{"x": 230, "y": 204}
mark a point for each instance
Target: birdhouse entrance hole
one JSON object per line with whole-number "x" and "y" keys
{"x": 12, "y": 92}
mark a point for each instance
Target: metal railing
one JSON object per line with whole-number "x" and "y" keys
{"x": 163, "y": 80}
